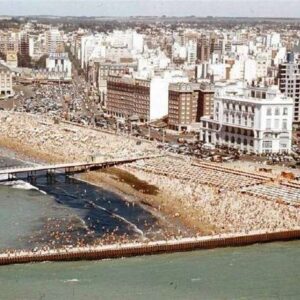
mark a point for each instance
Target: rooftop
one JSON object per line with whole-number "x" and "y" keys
{"x": 251, "y": 93}
{"x": 4, "y": 68}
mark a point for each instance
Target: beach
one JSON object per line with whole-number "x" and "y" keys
{"x": 203, "y": 199}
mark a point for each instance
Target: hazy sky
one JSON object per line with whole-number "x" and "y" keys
{"x": 230, "y": 8}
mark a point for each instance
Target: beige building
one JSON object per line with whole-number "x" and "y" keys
{"x": 9, "y": 41}
{"x": 54, "y": 41}
{"x": 6, "y": 89}
{"x": 12, "y": 59}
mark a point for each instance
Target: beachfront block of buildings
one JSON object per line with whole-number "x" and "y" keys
{"x": 252, "y": 119}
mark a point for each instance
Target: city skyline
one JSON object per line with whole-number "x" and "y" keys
{"x": 179, "y": 8}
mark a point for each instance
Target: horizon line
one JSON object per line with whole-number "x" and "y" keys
{"x": 150, "y": 16}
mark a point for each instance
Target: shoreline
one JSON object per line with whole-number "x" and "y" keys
{"x": 205, "y": 199}
{"x": 152, "y": 201}
{"x": 170, "y": 215}
{"x": 170, "y": 226}
{"x": 121, "y": 189}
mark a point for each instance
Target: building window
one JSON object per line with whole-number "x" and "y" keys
{"x": 232, "y": 119}
{"x": 267, "y": 144}
{"x": 269, "y": 111}
{"x": 276, "y": 124}
{"x": 283, "y": 145}
{"x": 277, "y": 111}
{"x": 284, "y": 124}
{"x": 285, "y": 111}
{"x": 268, "y": 124}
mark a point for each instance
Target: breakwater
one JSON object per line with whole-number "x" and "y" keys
{"x": 150, "y": 248}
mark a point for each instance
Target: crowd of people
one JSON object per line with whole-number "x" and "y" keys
{"x": 215, "y": 204}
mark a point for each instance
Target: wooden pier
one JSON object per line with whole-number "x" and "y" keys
{"x": 68, "y": 168}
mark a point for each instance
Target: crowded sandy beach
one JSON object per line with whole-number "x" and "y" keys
{"x": 205, "y": 199}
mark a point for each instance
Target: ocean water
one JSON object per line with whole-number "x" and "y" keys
{"x": 269, "y": 271}
{"x": 66, "y": 211}
{"x": 59, "y": 210}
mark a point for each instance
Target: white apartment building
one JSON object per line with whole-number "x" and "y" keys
{"x": 54, "y": 41}
{"x": 6, "y": 89}
{"x": 256, "y": 120}
{"x": 59, "y": 66}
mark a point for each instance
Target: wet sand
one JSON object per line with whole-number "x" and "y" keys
{"x": 152, "y": 197}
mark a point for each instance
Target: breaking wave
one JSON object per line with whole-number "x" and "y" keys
{"x": 130, "y": 224}
{"x": 22, "y": 185}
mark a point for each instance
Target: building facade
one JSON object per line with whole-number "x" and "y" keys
{"x": 257, "y": 120}
{"x": 59, "y": 66}
{"x": 289, "y": 84}
{"x": 182, "y": 106}
{"x": 206, "y": 100}
{"x": 54, "y": 41}
{"x": 6, "y": 89}
{"x": 188, "y": 102}
{"x": 9, "y": 41}
{"x": 128, "y": 96}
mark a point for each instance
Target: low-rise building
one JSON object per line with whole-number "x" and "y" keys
{"x": 255, "y": 119}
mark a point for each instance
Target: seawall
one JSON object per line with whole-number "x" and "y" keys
{"x": 137, "y": 249}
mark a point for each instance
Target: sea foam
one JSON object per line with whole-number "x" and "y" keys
{"x": 22, "y": 185}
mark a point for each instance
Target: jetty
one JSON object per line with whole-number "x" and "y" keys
{"x": 144, "y": 248}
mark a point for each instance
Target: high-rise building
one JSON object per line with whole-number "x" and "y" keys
{"x": 24, "y": 57}
{"x": 8, "y": 42}
{"x": 188, "y": 102}
{"x": 6, "y": 89}
{"x": 206, "y": 100}
{"x": 289, "y": 83}
{"x": 54, "y": 41}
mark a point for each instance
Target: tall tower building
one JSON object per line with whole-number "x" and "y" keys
{"x": 54, "y": 41}
{"x": 289, "y": 82}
